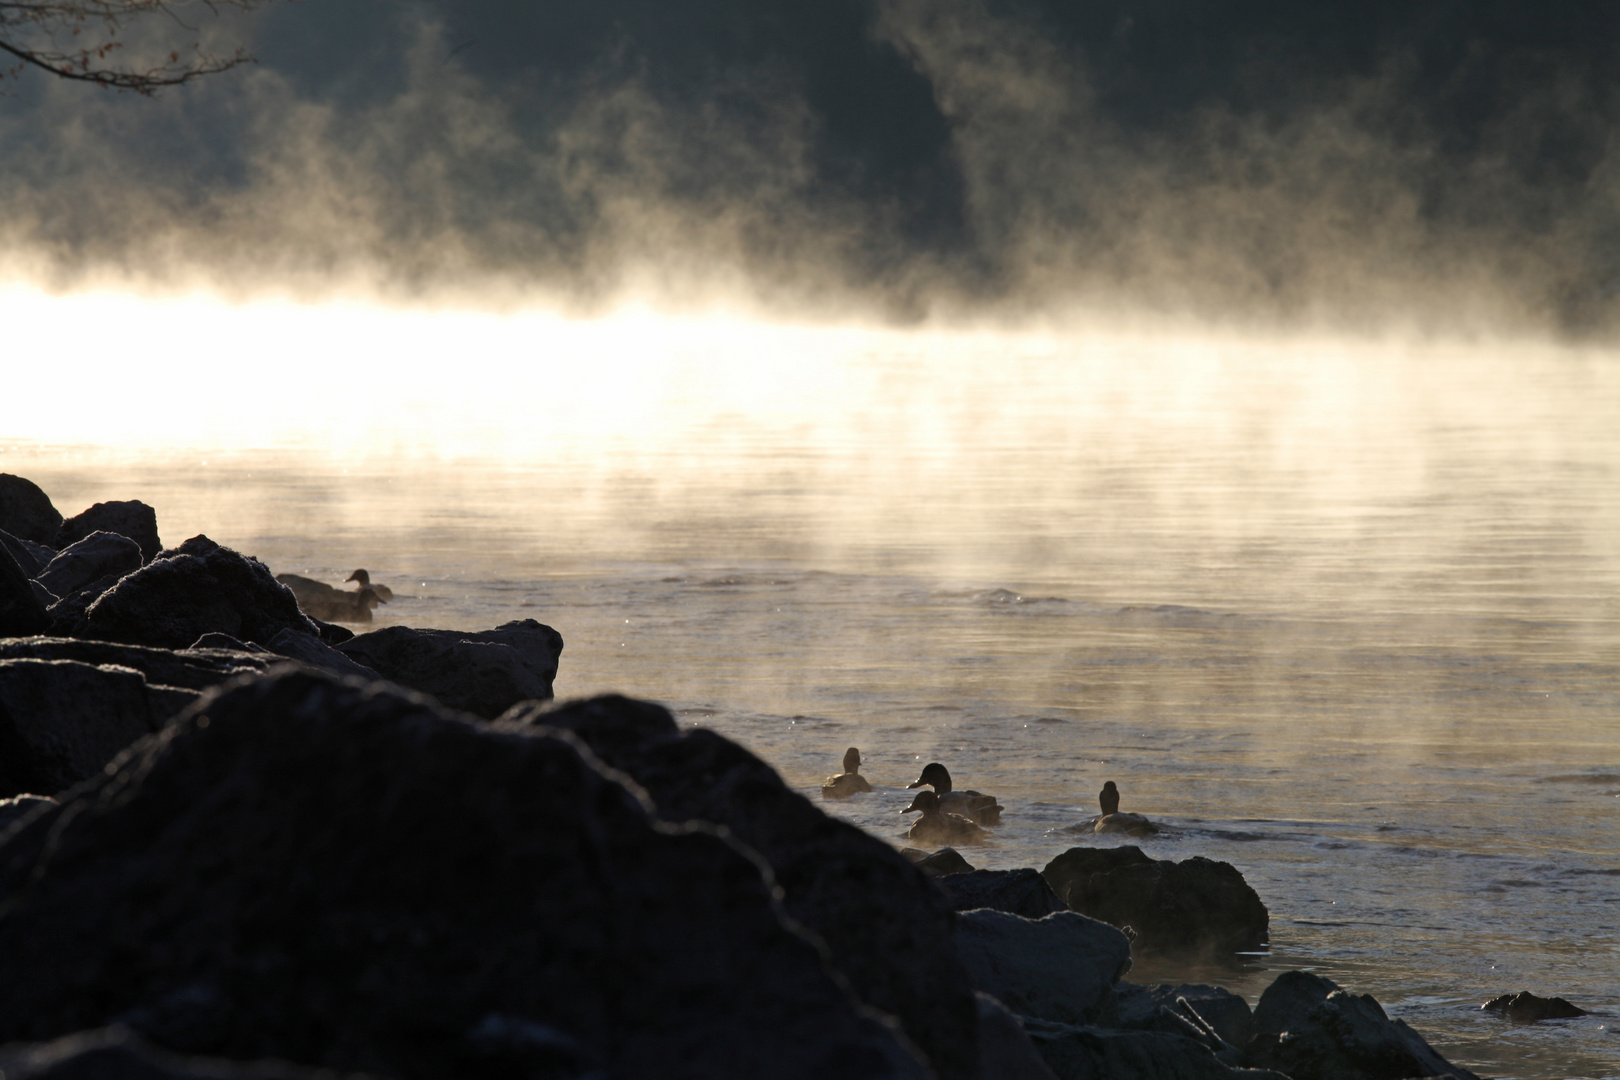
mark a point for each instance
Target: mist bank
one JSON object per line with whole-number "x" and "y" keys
{"x": 1443, "y": 166}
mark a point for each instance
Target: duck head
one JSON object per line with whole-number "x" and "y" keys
{"x": 852, "y": 760}
{"x": 361, "y": 576}
{"x": 934, "y": 774}
{"x": 926, "y": 801}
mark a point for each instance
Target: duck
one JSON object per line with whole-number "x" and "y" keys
{"x": 1112, "y": 821}
{"x": 307, "y": 589}
{"x": 977, "y": 807}
{"x": 384, "y": 593}
{"x": 344, "y": 607}
{"x": 938, "y": 826}
{"x": 849, "y": 782}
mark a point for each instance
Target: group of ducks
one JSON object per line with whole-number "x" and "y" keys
{"x": 319, "y": 600}
{"x": 961, "y": 817}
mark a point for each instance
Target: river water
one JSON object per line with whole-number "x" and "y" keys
{"x": 1346, "y": 615}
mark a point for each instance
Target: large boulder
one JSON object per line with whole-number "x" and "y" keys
{"x": 1194, "y": 1009}
{"x": 26, "y": 511}
{"x": 30, "y": 556}
{"x": 61, "y": 722}
{"x": 1005, "y": 1051}
{"x": 133, "y": 519}
{"x": 1197, "y": 905}
{"x": 484, "y": 673}
{"x": 887, "y": 929}
{"x": 90, "y": 559}
{"x": 1309, "y": 1028}
{"x": 1060, "y": 968}
{"x": 21, "y": 613}
{"x": 197, "y": 588}
{"x": 190, "y": 669}
{"x": 17, "y": 807}
{"x": 346, "y": 875}
{"x": 1019, "y": 892}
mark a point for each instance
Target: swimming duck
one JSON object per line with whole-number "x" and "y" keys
{"x": 384, "y": 593}
{"x": 307, "y": 589}
{"x": 937, "y": 826}
{"x": 849, "y": 782}
{"x": 349, "y": 607}
{"x": 1112, "y": 821}
{"x": 976, "y": 807}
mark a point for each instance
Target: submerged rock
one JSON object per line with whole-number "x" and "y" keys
{"x": 1309, "y": 1028}
{"x": 348, "y": 876}
{"x": 1527, "y": 1008}
{"x": 26, "y": 511}
{"x": 132, "y": 519}
{"x": 939, "y": 863}
{"x": 483, "y": 673}
{"x": 1193, "y": 906}
{"x": 888, "y": 931}
{"x": 198, "y": 588}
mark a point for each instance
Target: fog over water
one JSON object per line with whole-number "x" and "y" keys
{"x": 1218, "y": 399}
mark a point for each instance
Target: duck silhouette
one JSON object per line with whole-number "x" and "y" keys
{"x": 977, "y": 807}
{"x": 384, "y": 593}
{"x": 937, "y": 826}
{"x": 849, "y": 782}
{"x": 319, "y": 600}
{"x": 1112, "y": 821}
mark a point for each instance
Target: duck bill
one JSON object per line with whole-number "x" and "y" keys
{"x": 915, "y": 805}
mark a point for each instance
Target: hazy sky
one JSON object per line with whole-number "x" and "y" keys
{"x": 1444, "y": 162}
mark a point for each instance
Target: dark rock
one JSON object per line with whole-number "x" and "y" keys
{"x": 1005, "y": 1052}
{"x": 46, "y": 598}
{"x": 197, "y": 588}
{"x": 348, "y": 876}
{"x": 483, "y": 673}
{"x": 67, "y": 613}
{"x": 190, "y": 669}
{"x": 20, "y": 610}
{"x": 1194, "y": 906}
{"x": 30, "y": 556}
{"x": 1091, "y": 1053}
{"x": 1211, "y": 1008}
{"x": 937, "y": 863}
{"x": 1526, "y": 1008}
{"x": 887, "y": 929}
{"x": 1060, "y": 968}
{"x": 61, "y": 721}
{"x": 1307, "y": 1027}
{"x": 133, "y": 519}
{"x": 90, "y": 559}
{"x": 117, "y": 1053}
{"x": 17, "y": 807}
{"x": 1019, "y": 892}
{"x": 215, "y": 642}
{"x": 331, "y": 633}
{"x": 316, "y": 653}
{"x": 26, "y": 511}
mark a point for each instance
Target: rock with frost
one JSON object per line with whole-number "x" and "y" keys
{"x": 61, "y": 721}
{"x": 484, "y": 673}
{"x": 195, "y": 589}
{"x": 349, "y": 876}
{"x": 1018, "y": 892}
{"x": 133, "y": 519}
{"x": 90, "y": 559}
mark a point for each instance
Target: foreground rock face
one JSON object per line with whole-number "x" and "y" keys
{"x": 20, "y": 610}
{"x": 887, "y": 929}
{"x": 340, "y": 875}
{"x": 1307, "y": 1027}
{"x": 1194, "y": 906}
{"x": 1061, "y": 968}
{"x": 483, "y": 673}
{"x": 62, "y": 721}
{"x": 195, "y": 589}
{"x": 116, "y": 1053}
{"x": 132, "y": 519}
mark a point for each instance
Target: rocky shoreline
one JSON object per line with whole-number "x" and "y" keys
{"x": 237, "y": 841}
